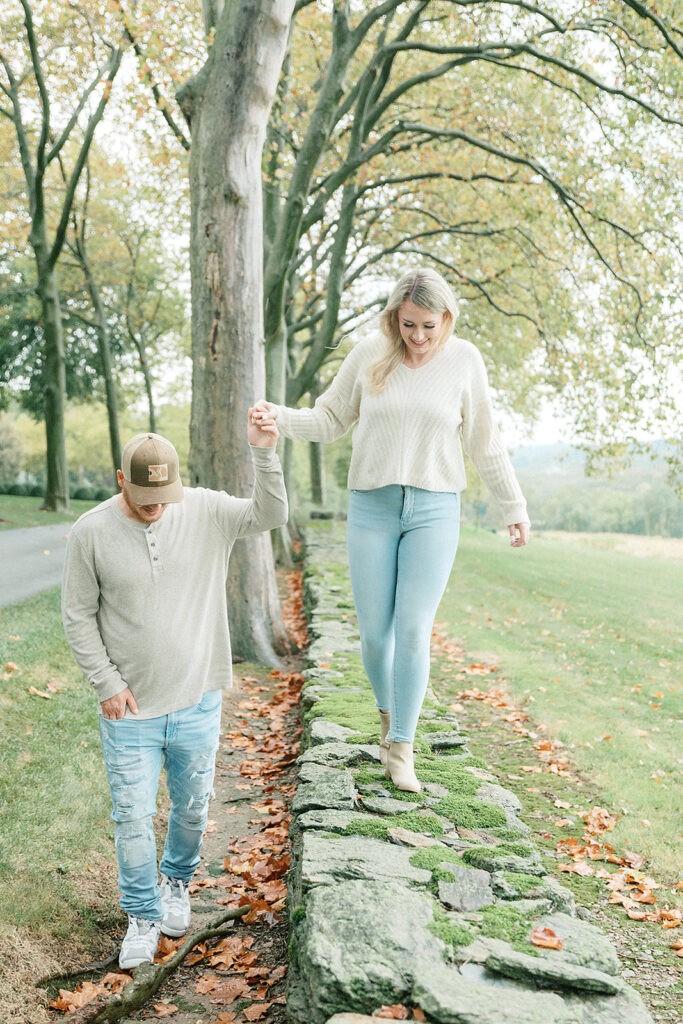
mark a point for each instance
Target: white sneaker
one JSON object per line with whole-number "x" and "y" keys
{"x": 175, "y": 904}
{"x": 140, "y": 943}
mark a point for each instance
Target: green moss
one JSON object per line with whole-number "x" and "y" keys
{"x": 506, "y": 835}
{"x": 441, "y": 875}
{"x": 433, "y": 856}
{"x": 449, "y": 772}
{"x": 355, "y": 711}
{"x": 453, "y": 935}
{"x": 368, "y": 776}
{"x": 469, "y": 813}
{"x": 364, "y": 737}
{"x": 500, "y": 921}
{"x": 428, "y": 824}
{"x": 436, "y": 726}
{"x": 523, "y": 884}
{"x": 500, "y": 850}
{"x": 298, "y": 914}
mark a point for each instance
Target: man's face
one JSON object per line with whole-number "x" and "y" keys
{"x": 140, "y": 513}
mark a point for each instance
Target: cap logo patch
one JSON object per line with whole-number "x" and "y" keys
{"x": 157, "y": 474}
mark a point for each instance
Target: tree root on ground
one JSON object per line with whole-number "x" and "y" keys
{"x": 148, "y": 978}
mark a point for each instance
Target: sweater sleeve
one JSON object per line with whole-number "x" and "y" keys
{"x": 335, "y": 412}
{"x": 265, "y": 509}
{"x": 484, "y": 445}
{"x": 80, "y": 604}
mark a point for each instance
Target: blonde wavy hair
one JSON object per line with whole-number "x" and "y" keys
{"x": 425, "y": 288}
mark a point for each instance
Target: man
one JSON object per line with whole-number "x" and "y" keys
{"x": 144, "y": 610}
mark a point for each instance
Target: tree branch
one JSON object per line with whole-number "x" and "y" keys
{"x": 644, "y": 12}
{"x": 95, "y": 118}
{"x": 59, "y": 143}
{"x": 156, "y": 91}
{"x": 148, "y": 978}
{"x": 42, "y": 89}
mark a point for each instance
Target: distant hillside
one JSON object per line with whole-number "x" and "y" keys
{"x": 636, "y": 499}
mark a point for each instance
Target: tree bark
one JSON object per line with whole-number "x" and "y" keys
{"x": 227, "y": 106}
{"x": 57, "y": 484}
{"x": 106, "y": 361}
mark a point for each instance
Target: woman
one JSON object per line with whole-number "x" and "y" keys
{"x": 412, "y": 392}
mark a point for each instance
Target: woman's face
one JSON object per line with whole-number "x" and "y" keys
{"x": 420, "y": 329}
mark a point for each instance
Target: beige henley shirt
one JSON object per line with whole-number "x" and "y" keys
{"x": 145, "y": 606}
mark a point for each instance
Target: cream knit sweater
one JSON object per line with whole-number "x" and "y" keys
{"x": 410, "y": 433}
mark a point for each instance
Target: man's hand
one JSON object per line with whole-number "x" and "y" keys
{"x": 261, "y": 428}
{"x": 115, "y": 707}
{"x": 519, "y": 534}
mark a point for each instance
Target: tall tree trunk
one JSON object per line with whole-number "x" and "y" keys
{"x": 316, "y": 456}
{"x": 104, "y": 349}
{"x": 227, "y": 106}
{"x": 144, "y": 366}
{"x": 57, "y": 486}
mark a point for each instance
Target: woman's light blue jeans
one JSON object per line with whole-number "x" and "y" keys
{"x": 402, "y": 543}
{"x": 186, "y": 741}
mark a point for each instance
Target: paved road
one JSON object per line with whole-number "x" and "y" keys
{"x": 31, "y": 560}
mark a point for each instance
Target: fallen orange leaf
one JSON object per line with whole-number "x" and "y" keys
{"x": 396, "y": 1012}
{"x": 164, "y": 1009}
{"x": 546, "y": 938}
{"x": 578, "y": 867}
{"x": 39, "y": 693}
{"x": 256, "y": 1010}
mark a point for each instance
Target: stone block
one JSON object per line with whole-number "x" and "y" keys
{"x": 324, "y": 787}
{"x": 388, "y": 805}
{"x": 326, "y": 860}
{"x": 322, "y": 731}
{"x": 359, "y": 946}
{"x": 450, "y": 998}
{"x": 551, "y": 972}
{"x": 470, "y": 890}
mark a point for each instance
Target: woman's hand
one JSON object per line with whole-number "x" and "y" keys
{"x": 519, "y": 534}
{"x": 263, "y": 412}
{"x": 261, "y": 429}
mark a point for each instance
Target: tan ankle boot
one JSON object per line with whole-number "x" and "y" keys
{"x": 401, "y": 767}
{"x": 384, "y": 726}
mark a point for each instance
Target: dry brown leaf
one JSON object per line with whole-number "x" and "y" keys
{"x": 164, "y": 1009}
{"x": 81, "y": 996}
{"x": 546, "y": 938}
{"x": 39, "y": 693}
{"x": 396, "y": 1012}
{"x": 256, "y": 1010}
{"x": 577, "y": 867}
{"x": 230, "y": 990}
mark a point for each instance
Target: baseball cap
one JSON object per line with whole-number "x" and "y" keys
{"x": 149, "y": 464}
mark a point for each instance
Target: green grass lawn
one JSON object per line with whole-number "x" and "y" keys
{"x": 55, "y": 832}
{"x": 592, "y": 641}
{"x": 17, "y": 512}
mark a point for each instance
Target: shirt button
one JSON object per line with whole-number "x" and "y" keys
{"x": 156, "y": 559}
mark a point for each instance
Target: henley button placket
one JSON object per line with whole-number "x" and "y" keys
{"x": 151, "y": 544}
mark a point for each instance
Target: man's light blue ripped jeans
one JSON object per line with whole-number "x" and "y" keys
{"x": 134, "y": 749}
